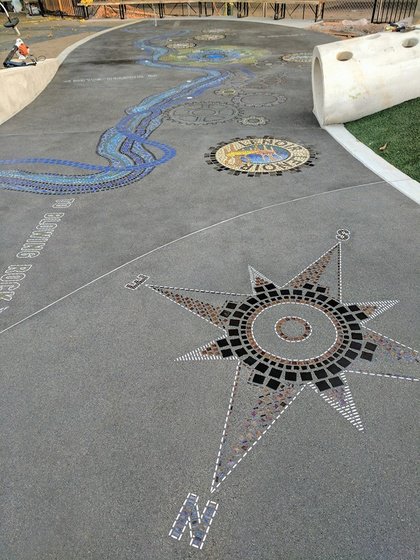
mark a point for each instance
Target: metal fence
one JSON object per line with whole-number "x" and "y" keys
{"x": 348, "y": 9}
{"x": 393, "y": 10}
{"x": 376, "y": 11}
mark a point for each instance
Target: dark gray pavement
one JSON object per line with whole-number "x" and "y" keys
{"x": 103, "y": 433}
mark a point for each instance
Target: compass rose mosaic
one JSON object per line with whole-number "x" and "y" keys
{"x": 255, "y": 156}
{"x": 284, "y": 339}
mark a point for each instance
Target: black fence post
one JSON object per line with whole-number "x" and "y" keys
{"x": 386, "y": 11}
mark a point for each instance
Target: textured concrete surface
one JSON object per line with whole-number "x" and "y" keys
{"x": 103, "y": 433}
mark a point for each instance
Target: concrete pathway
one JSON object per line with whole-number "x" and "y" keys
{"x": 48, "y": 36}
{"x": 175, "y": 157}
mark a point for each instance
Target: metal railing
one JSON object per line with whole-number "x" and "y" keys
{"x": 376, "y": 11}
{"x": 385, "y": 11}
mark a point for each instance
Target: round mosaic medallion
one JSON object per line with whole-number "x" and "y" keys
{"x": 255, "y": 156}
{"x": 292, "y": 329}
{"x": 226, "y": 91}
{"x": 254, "y": 99}
{"x": 304, "y": 57}
{"x": 209, "y": 37}
{"x": 181, "y": 44}
{"x": 327, "y": 334}
{"x": 253, "y": 120}
{"x": 203, "y": 113}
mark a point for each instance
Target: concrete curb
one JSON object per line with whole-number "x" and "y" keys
{"x": 375, "y": 163}
{"x": 20, "y": 86}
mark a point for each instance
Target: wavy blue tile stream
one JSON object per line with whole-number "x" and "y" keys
{"x": 126, "y": 146}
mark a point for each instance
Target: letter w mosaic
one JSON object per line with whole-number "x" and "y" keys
{"x": 199, "y": 524}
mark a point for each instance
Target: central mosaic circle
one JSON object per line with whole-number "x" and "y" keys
{"x": 309, "y": 328}
{"x": 259, "y": 155}
{"x": 335, "y": 341}
{"x": 293, "y": 329}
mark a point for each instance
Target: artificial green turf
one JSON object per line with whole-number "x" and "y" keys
{"x": 398, "y": 128}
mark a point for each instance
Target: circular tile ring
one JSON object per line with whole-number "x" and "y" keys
{"x": 280, "y": 328}
{"x": 327, "y": 363}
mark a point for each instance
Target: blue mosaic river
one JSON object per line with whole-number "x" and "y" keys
{"x": 126, "y": 146}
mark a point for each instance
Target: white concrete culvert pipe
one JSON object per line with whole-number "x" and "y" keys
{"x": 357, "y": 77}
